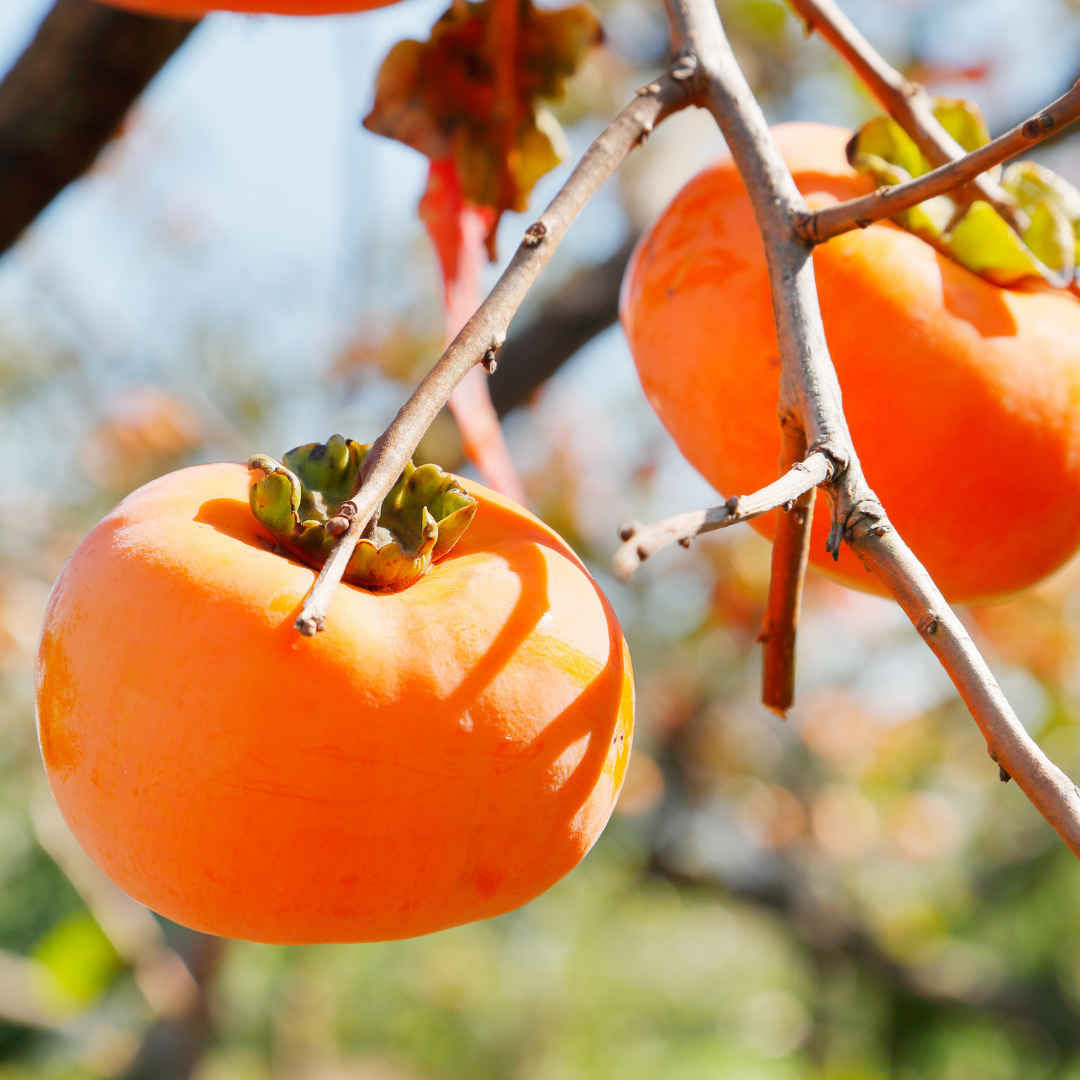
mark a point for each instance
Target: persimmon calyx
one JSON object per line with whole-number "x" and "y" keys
{"x": 422, "y": 517}
{"x": 976, "y": 236}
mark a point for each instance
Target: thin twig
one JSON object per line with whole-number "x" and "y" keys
{"x": 830, "y": 221}
{"x": 485, "y": 332}
{"x": 641, "y": 541}
{"x": 906, "y": 102}
{"x": 809, "y": 392}
{"x": 790, "y": 554}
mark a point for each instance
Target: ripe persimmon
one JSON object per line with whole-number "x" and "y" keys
{"x": 439, "y": 754}
{"x": 195, "y": 9}
{"x": 963, "y": 398}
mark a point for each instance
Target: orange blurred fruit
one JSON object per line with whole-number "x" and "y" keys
{"x": 194, "y": 9}
{"x": 437, "y": 755}
{"x": 963, "y": 398}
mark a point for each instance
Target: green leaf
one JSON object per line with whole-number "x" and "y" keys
{"x": 980, "y": 240}
{"x": 81, "y": 960}
{"x": 963, "y": 120}
{"x": 883, "y": 146}
{"x": 985, "y": 244}
{"x": 1030, "y": 184}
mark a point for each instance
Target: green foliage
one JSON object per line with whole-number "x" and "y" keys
{"x": 80, "y": 958}
{"x": 975, "y": 235}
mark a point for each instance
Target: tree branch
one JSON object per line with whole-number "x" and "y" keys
{"x": 641, "y": 541}
{"x": 484, "y": 333}
{"x": 906, "y": 102}
{"x": 830, "y": 221}
{"x": 790, "y": 554}
{"x": 582, "y": 308}
{"x": 1018, "y": 755}
{"x": 67, "y": 94}
{"x": 809, "y": 393}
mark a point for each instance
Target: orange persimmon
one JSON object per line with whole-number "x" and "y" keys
{"x": 437, "y": 755}
{"x": 194, "y": 9}
{"x": 963, "y": 398}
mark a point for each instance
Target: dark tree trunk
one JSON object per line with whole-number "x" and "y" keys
{"x": 66, "y": 96}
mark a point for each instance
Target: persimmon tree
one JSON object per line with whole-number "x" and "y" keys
{"x": 818, "y": 452}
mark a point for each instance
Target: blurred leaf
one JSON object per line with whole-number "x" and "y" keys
{"x": 80, "y": 956}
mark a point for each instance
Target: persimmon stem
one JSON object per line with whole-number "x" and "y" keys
{"x": 485, "y": 332}
{"x": 790, "y": 554}
{"x": 906, "y": 102}
{"x": 842, "y": 217}
{"x": 810, "y": 393}
{"x": 641, "y": 541}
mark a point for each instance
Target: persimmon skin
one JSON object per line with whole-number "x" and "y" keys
{"x": 963, "y": 398}
{"x": 435, "y": 756}
{"x": 196, "y": 9}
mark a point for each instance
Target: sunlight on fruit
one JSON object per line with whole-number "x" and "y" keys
{"x": 848, "y": 894}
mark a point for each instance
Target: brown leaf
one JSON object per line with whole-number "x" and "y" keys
{"x": 442, "y": 97}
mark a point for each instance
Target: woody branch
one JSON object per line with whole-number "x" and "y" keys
{"x": 821, "y": 225}
{"x": 810, "y": 400}
{"x": 480, "y": 338}
{"x": 906, "y": 102}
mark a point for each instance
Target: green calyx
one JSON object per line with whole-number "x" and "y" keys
{"x": 975, "y": 235}
{"x": 422, "y": 517}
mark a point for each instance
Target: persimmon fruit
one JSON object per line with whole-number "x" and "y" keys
{"x": 439, "y": 754}
{"x": 195, "y": 9}
{"x": 963, "y": 398}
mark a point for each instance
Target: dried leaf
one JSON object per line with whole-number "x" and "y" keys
{"x": 441, "y": 96}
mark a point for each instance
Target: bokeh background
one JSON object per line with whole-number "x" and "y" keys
{"x": 851, "y": 894}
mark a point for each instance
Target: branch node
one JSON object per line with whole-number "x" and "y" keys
{"x": 310, "y": 625}
{"x": 837, "y": 455}
{"x": 803, "y": 222}
{"x": 341, "y": 520}
{"x": 685, "y": 67}
{"x": 1038, "y": 126}
{"x": 927, "y": 624}
{"x": 832, "y": 543}
{"x": 628, "y": 529}
{"x": 534, "y": 234}
{"x": 732, "y": 505}
{"x": 489, "y": 362}
{"x": 1003, "y": 776}
{"x": 684, "y": 541}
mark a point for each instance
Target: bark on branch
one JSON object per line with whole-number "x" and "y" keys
{"x": 641, "y": 541}
{"x": 906, "y": 102}
{"x": 67, "y": 94}
{"x": 810, "y": 397}
{"x": 842, "y": 217}
{"x": 483, "y": 335}
{"x": 582, "y": 308}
